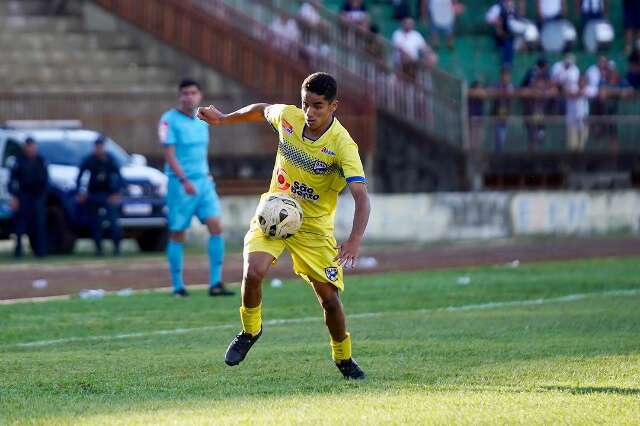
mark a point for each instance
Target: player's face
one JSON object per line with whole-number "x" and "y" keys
{"x": 190, "y": 97}
{"x": 317, "y": 110}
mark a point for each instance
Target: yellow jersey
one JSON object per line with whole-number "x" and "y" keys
{"x": 312, "y": 172}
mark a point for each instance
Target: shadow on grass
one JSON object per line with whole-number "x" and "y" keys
{"x": 593, "y": 389}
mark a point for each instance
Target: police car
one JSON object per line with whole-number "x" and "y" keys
{"x": 64, "y": 144}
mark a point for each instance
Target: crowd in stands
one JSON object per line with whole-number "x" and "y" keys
{"x": 558, "y": 90}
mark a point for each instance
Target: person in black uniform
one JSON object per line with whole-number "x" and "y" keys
{"x": 28, "y": 186}
{"x": 102, "y": 194}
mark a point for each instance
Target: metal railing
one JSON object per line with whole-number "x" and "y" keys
{"x": 234, "y": 44}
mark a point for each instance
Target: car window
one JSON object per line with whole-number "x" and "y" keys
{"x": 70, "y": 152}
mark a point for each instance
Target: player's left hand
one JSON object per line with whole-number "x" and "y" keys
{"x": 210, "y": 114}
{"x": 348, "y": 254}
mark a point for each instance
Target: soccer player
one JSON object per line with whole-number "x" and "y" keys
{"x": 191, "y": 190}
{"x": 316, "y": 158}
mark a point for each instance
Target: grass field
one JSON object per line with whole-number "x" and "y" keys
{"x": 539, "y": 344}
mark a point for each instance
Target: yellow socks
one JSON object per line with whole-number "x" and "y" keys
{"x": 251, "y": 319}
{"x": 341, "y": 350}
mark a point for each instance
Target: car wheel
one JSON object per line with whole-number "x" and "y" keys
{"x": 153, "y": 240}
{"x": 60, "y": 238}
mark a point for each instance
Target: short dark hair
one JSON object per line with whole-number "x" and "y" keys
{"x": 29, "y": 140}
{"x": 187, "y": 82}
{"x": 321, "y": 84}
{"x": 100, "y": 140}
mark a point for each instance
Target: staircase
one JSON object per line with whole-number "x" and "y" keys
{"x": 42, "y": 53}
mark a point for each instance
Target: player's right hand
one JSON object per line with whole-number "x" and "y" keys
{"x": 188, "y": 187}
{"x": 210, "y": 115}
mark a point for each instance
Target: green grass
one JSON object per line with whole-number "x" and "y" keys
{"x": 565, "y": 361}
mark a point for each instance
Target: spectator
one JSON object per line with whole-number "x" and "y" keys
{"x": 102, "y": 194}
{"x": 355, "y": 12}
{"x": 502, "y": 107}
{"x": 28, "y": 186}
{"x": 443, "y": 14}
{"x": 411, "y": 48}
{"x": 499, "y": 16}
{"x": 633, "y": 69}
{"x": 591, "y": 10}
{"x": 577, "y": 115}
{"x": 309, "y": 13}
{"x": 537, "y": 71}
{"x": 566, "y": 74}
{"x": 285, "y": 31}
{"x": 631, "y": 13}
{"x": 477, "y": 94}
{"x": 597, "y": 74}
{"x": 536, "y": 105}
{"x": 401, "y": 9}
{"x": 550, "y": 10}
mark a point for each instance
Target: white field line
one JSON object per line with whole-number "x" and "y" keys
{"x": 480, "y": 306}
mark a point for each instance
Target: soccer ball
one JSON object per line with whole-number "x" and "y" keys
{"x": 279, "y": 216}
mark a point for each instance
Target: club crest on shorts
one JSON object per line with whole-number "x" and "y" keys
{"x": 331, "y": 273}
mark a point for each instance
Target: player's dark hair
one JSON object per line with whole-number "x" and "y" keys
{"x": 321, "y": 84}
{"x": 188, "y": 82}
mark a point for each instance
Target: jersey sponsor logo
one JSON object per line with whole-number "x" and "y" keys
{"x": 163, "y": 131}
{"x": 331, "y": 273}
{"x": 282, "y": 179}
{"x": 320, "y": 167}
{"x": 287, "y": 127}
{"x": 300, "y": 190}
{"x": 327, "y": 151}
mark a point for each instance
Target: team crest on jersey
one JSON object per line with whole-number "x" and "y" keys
{"x": 287, "y": 127}
{"x": 331, "y": 273}
{"x": 327, "y": 151}
{"x": 320, "y": 167}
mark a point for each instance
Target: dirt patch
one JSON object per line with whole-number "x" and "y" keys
{"x": 17, "y": 281}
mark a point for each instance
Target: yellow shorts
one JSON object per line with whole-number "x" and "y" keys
{"x": 312, "y": 254}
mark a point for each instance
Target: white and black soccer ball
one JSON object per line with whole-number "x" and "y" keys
{"x": 279, "y": 216}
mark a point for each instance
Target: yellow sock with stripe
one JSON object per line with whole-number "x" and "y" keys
{"x": 341, "y": 350}
{"x": 251, "y": 319}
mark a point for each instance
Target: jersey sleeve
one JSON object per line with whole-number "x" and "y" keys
{"x": 165, "y": 135}
{"x": 350, "y": 163}
{"x": 273, "y": 115}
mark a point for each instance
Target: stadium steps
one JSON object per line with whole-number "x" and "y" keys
{"x": 54, "y": 54}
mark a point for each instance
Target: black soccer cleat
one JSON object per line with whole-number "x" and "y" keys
{"x": 350, "y": 369}
{"x": 239, "y": 347}
{"x": 180, "y": 293}
{"x": 220, "y": 290}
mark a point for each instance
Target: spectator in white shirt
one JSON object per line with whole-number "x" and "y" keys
{"x": 566, "y": 74}
{"x": 442, "y": 14}
{"x": 549, "y": 10}
{"x": 412, "y": 50}
{"x": 309, "y": 13}
{"x": 577, "y": 115}
{"x": 597, "y": 75}
{"x": 355, "y": 12}
{"x": 285, "y": 31}
{"x": 591, "y": 10}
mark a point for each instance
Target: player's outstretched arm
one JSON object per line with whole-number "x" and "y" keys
{"x": 348, "y": 251}
{"x": 250, "y": 113}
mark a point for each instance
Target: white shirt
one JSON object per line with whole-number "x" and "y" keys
{"x": 442, "y": 12}
{"x": 492, "y": 14}
{"x": 577, "y": 106}
{"x": 592, "y": 6}
{"x": 411, "y": 43}
{"x": 286, "y": 32}
{"x": 309, "y": 14}
{"x": 566, "y": 77}
{"x": 550, "y": 8}
{"x": 594, "y": 78}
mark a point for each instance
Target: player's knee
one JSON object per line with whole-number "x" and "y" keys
{"x": 254, "y": 275}
{"x": 215, "y": 227}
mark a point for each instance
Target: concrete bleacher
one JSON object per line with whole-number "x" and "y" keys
{"x": 475, "y": 56}
{"x": 55, "y": 54}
